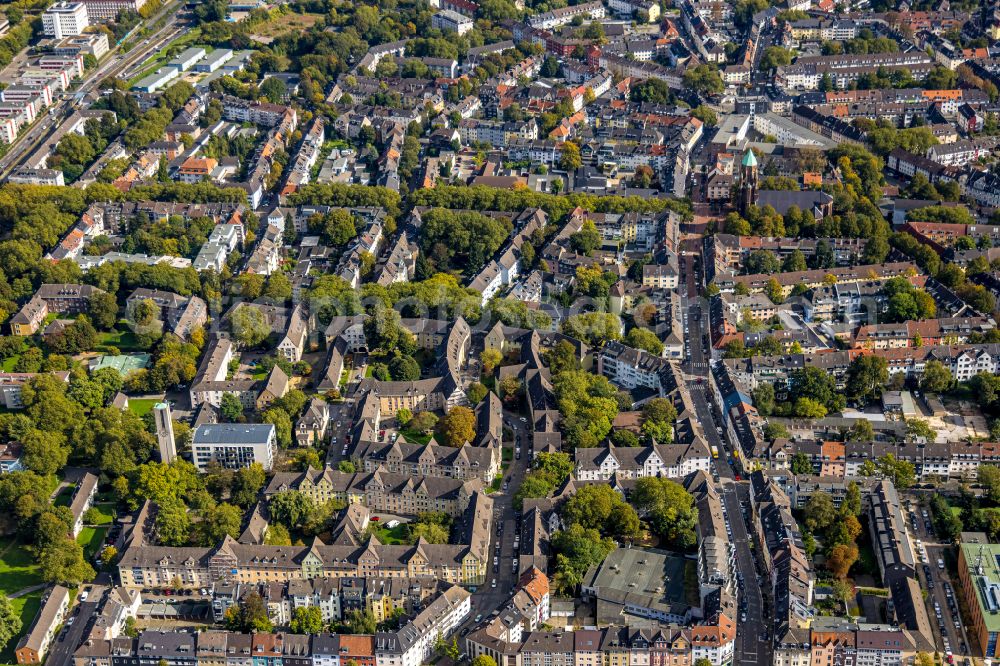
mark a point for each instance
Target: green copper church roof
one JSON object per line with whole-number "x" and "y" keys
{"x": 749, "y": 159}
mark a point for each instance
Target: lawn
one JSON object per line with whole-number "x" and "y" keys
{"x": 102, "y": 514}
{"x": 92, "y": 540}
{"x": 9, "y": 363}
{"x": 65, "y": 497}
{"x": 18, "y": 569}
{"x": 121, "y": 337}
{"x": 26, "y": 607}
{"x": 416, "y": 436}
{"x": 285, "y": 23}
{"x": 141, "y": 406}
{"x": 392, "y": 536}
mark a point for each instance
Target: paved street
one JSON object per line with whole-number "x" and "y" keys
{"x": 956, "y": 636}
{"x": 487, "y": 598}
{"x": 49, "y": 127}
{"x": 751, "y": 647}
{"x": 69, "y": 639}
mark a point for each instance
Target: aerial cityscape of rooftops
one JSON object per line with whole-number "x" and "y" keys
{"x": 500, "y": 332}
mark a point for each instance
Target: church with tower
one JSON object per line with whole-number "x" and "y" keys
{"x": 749, "y": 182}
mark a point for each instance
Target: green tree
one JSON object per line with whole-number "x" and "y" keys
{"x": 217, "y": 522}
{"x": 360, "y": 622}
{"x": 775, "y": 56}
{"x": 658, "y": 417}
{"x": 423, "y": 421}
{"x": 588, "y": 403}
{"x": 307, "y": 620}
{"x": 851, "y": 505}
{"x": 669, "y": 509}
{"x": 800, "y": 463}
{"x": 63, "y": 563}
{"x": 808, "y": 408}
{"x": 457, "y": 427}
{"x": 279, "y": 288}
{"x": 989, "y": 477}
{"x": 230, "y": 407}
{"x": 862, "y": 431}
{"x": 404, "y": 369}
{"x": 866, "y": 376}
{"x": 704, "y": 79}
{"x": 774, "y": 430}
{"x": 272, "y": 90}
{"x": 277, "y": 535}
{"x": 476, "y": 393}
{"x": 282, "y": 425}
{"x": 602, "y": 508}
{"x": 587, "y": 239}
{"x": 249, "y": 326}
{"x": 594, "y": 328}
{"x": 490, "y": 359}
{"x": 569, "y": 156}
{"x": 173, "y": 525}
{"x": 819, "y": 512}
{"x": 247, "y": 484}
{"x": 919, "y": 429}
{"x": 44, "y": 452}
{"x": 706, "y": 115}
{"x": 250, "y": 615}
{"x": 900, "y": 472}
{"x": 291, "y": 508}
{"x": 10, "y": 623}
{"x": 651, "y": 90}
{"x": 773, "y": 290}
{"x": 487, "y": 660}
{"x": 429, "y": 532}
{"x": 815, "y": 384}
{"x": 403, "y": 416}
{"x": 103, "y": 310}
{"x": 645, "y": 339}
{"x": 763, "y": 398}
{"x": 577, "y": 549}
{"x": 936, "y": 378}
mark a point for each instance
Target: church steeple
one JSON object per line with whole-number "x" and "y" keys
{"x": 748, "y": 181}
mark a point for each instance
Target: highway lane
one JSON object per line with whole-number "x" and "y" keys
{"x": 47, "y": 125}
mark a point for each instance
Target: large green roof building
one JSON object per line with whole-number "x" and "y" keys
{"x": 979, "y": 573}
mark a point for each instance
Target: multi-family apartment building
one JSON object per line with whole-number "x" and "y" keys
{"x": 64, "y": 299}
{"x": 397, "y": 494}
{"x": 234, "y": 445}
{"x": 665, "y": 460}
{"x": 400, "y": 457}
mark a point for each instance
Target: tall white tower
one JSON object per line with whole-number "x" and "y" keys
{"x": 165, "y": 432}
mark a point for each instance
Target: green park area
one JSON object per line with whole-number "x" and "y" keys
{"x": 120, "y": 337}
{"x": 92, "y": 540}
{"x": 19, "y": 572}
{"x": 141, "y": 406}
{"x": 392, "y": 535}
